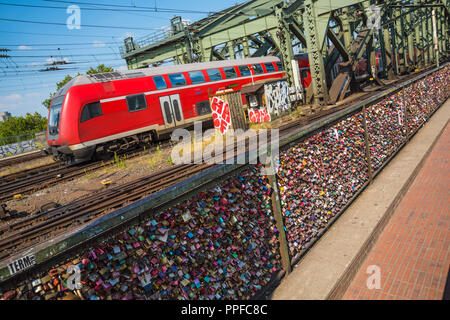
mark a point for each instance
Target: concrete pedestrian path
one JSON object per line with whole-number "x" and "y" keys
{"x": 328, "y": 270}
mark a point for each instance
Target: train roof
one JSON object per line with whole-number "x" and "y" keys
{"x": 146, "y": 72}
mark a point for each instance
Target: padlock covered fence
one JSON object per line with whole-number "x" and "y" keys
{"x": 317, "y": 177}
{"x": 227, "y": 241}
{"x": 321, "y": 175}
{"x": 219, "y": 244}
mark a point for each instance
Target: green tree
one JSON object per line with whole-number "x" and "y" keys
{"x": 16, "y": 126}
{"x": 100, "y": 69}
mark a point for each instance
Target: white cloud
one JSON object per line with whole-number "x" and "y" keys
{"x": 20, "y": 104}
{"x": 32, "y": 94}
{"x": 24, "y": 48}
{"x": 11, "y": 97}
{"x": 51, "y": 60}
{"x": 98, "y": 44}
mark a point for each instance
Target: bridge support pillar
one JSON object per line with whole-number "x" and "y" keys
{"x": 314, "y": 44}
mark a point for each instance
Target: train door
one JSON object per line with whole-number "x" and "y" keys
{"x": 172, "y": 110}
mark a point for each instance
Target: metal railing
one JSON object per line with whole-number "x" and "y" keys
{"x": 149, "y": 39}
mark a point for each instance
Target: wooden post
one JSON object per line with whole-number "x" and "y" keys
{"x": 236, "y": 111}
{"x": 233, "y": 98}
{"x": 276, "y": 207}
{"x": 366, "y": 142}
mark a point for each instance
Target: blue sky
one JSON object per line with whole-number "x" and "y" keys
{"x": 23, "y": 87}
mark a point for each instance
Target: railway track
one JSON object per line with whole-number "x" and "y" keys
{"x": 21, "y": 158}
{"x": 42, "y": 226}
{"x": 28, "y": 172}
{"x": 49, "y": 176}
{"x": 32, "y": 180}
{"x": 38, "y": 228}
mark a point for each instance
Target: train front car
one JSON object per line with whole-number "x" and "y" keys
{"x": 62, "y": 130}
{"x": 101, "y": 114}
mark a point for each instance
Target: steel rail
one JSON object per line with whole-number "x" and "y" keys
{"x": 4, "y": 162}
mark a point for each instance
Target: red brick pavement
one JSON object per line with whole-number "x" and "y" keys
{"x": 412, "y": 252}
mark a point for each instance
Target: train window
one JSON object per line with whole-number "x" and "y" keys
{"x": 257, "y": 68}
{"x": 177, "y": 79}
{"x": 196, "y": 77}
{"x": 160, "y": 83}
{"x": 280, "y": 66}
{"x": 304, "y": 74}
{"x": 136, "y": 102}
{"x": 55, "y": 114}
{"x": 269, "y": 67}
{"x": 230, "y": 73}
{"x": 203, "y": 107}
{"x": 245, "y": 71}
{"x": 90, "y": 111}
{"x": 167, "y": 112}
{"x": 176, "y": 108}
{"x": 214, "y": 74}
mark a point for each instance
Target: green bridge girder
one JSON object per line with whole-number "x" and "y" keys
{"x": 327, "y": 30}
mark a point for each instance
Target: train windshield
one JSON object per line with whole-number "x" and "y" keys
{"x": 55, "y": 114}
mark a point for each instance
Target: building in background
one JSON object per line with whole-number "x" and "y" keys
{"x": 4, "y": 116}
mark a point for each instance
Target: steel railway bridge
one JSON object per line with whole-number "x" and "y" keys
{"x": 327, "y": 30}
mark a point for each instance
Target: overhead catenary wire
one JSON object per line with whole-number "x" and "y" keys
{"x": 46, "y": 64}
{"x": 54, "y": 44}
{"x": 151, "y": 9}
{"x": 98, "y": 9}
{"x": 134, "y": 12}
{"x": 35, "y": 73}
{"x": 69, "y": 55}
{"x": 64, "y": 51}
{"x": 61, "y": 35}
{"x": 19, "y": 73}
{"x": 84, "y": 25}
{"x": 103, "y": 9}
{"x": 37, "y": 65}
{"x": 34, "y": 64}
{"x": 17, "y": 86}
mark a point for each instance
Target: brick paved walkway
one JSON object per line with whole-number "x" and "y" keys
{"x": 413, "y": 250}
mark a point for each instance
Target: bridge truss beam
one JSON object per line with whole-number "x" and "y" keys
{"x": 329, "y": 31}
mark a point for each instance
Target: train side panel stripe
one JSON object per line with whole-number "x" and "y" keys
{"x": 192, "y": 86}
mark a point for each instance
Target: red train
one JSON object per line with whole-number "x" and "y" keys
{"x": 360, "y": 72}
{"x": 107, "y": 112}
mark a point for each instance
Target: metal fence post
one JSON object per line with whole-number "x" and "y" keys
{"x": 405, "y": 107}
{"x": 366, "y": 142}
{"x": 276, "y": 207}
